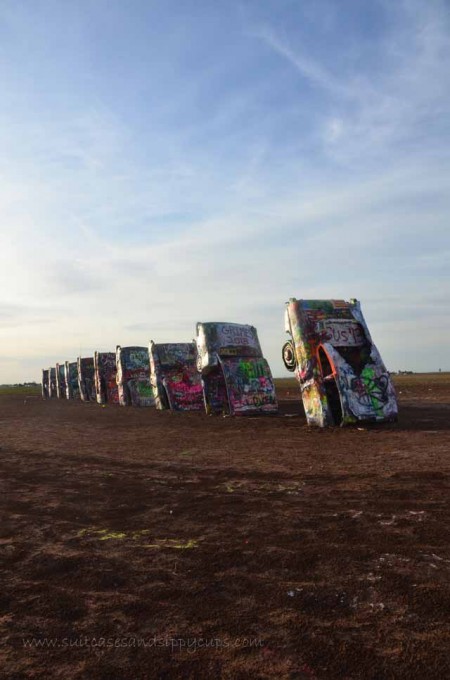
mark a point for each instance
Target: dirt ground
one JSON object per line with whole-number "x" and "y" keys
{"x": 139, "y": 544}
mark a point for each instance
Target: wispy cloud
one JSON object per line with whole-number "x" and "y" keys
{"x": 310, "y": 69}
{"x": 391, "y": 103}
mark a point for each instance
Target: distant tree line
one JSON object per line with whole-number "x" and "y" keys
{"x": 25, "y": 384}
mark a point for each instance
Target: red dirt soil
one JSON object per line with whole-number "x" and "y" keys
{"x": 139, "y": 544}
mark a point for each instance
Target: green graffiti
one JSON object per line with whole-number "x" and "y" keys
{"x": 376, "y": 388}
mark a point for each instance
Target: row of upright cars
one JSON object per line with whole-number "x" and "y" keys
{"x": 341, "y": 374}
{"x": 223, "y": 371}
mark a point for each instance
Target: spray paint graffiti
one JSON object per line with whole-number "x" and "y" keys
{"x": 236, "y": 378}
{"x": 133, "y": 376}
{"x": 249, "y": 385}
{"x": 44, "y": 384}
{"x": 86, "y": 382}
{"x": 105, "y": 372}
{"x": 52, "y": 382}
{"x": 342, "y": 377}
{"x": 174, "y": 377}
{"x": 71, "y": 373}
{"x": 215, "y": 396}
{"x": 60, "y": 381}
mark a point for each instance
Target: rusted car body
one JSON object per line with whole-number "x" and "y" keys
{"x": 105, "y": 372}
{"x": 236, "y": 378}
{"x": 342, "y": 377}
{"x": 133, "y": 376}
{"x": 174, "y": 377}
{"x": 86, "y": 383}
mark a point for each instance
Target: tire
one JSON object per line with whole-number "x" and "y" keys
{"x": 288, "y": 356}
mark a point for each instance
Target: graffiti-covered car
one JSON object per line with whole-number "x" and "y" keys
{"x": 342, "y": 377}
{"x": 52, "y": 382}
{"x": 44, "y": 384}
{"x": 86, "y": 383}
{"x": 174, "y": 377}
{"x": 236, "y": 378}
{"x": 71, "y": 373}
{"x": 60, "y": 381}
{"x": 105, "y": 371}
{"x": 133, "y": 376}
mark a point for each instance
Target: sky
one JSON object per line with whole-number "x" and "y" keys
{"x": 172, "y": 161}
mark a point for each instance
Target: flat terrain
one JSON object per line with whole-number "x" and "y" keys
{"x": 140, "y": 544}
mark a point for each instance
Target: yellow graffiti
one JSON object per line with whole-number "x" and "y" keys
{"x": 102, "y": 534}
{"x": 112, "y": 534}
{"x": 172, "y": 543}
{"x": 138, "y": 534}
{"x": 107, "y": 535}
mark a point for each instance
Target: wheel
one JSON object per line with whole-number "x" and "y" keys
{"x": 288, "y": 355}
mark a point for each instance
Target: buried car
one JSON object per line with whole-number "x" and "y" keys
{"x": 236, "y": 378}
{"x": 71, "y": 373}
{"x": 105, "y": 371}
{"x": 61, "y": 381}
{"x": 44, "y": 383}
{"x": 174, "y": 377}
{"x": 133, "y": 376}
{"x": 86, "y": 378}
{"x": 342, "y": 377}
{"x": 52, "y": 382}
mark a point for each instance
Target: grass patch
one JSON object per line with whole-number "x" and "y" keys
{"x": 31, "y": 391}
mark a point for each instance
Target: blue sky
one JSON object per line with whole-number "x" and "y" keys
{"x": 169, "y": 162}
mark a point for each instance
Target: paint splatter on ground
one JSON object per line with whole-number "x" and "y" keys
{"x": 328, "y": 548}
